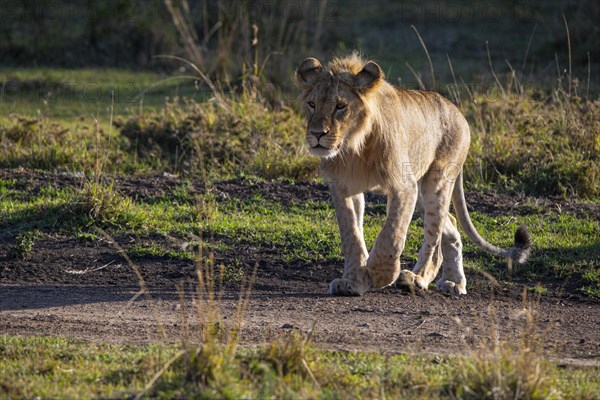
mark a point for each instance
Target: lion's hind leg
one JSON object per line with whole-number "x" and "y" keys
{"x": 436, "y": 195}
{"x": 453, "y": 280}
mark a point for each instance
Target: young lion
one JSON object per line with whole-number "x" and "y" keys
{"x": 408, "y": 144}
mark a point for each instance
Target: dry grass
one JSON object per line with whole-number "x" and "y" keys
{"x": 207, "y": 139}
{"x": 541, "y": 145}
{"x": 499, "y": 368}
{"x": 237, "y": 45}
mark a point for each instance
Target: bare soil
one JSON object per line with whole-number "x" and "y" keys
{"x": 87, "y": 290}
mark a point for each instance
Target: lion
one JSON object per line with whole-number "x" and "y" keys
{"x": 407, "y": 144}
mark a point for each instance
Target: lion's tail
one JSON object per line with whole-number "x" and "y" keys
{"x": 518, "y": 253}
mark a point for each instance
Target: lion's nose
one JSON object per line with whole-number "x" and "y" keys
{"x": 319, "y": 134}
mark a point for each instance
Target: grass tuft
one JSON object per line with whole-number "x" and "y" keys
{"x": 102, "y": 202}
{"x": 288, "y": 354}
{"x": 503, "y": 369}
{"x": 24, "y": 243}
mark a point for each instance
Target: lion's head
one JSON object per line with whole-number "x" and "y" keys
{"x": 335, "y": 102}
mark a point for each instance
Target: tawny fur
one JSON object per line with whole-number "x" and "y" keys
{"x": 410, "y": 145}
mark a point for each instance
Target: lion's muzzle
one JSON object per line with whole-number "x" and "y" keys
{"x": 315, "y": 140}
{"x": 319, "y": 139}
{"x": 319, "y": 134}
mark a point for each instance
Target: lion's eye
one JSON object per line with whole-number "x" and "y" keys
{"x": 340, "y": 106}
{"x": 311, "y": 104}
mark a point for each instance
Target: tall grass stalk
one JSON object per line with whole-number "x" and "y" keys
{"x": 487, "y": 48}
{"x": 206, "y": 361}
{"x": 455, "y": 88}
{"x": 527, "y": 51}
{"x": 144, "y": 291}
{"x": 427, "y": 54}
{"x": 570, "y": 76}
{"x": 181, "y": 17}
{"x": 589, "y": 74}
{"x": 4, "y": 85}
{"x": 417, "y": 77}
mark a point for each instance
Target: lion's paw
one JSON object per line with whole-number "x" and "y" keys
{"x": 410, "y": 279}
{"x": 346, "y": 287}
{"x": 451, "y": 288}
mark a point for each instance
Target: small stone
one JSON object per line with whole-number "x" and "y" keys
{"x": 435, "y": 334}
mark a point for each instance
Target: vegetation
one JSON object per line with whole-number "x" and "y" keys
{"x": 304, "y": 234}
{"x": 540, "y": 146}
{"x": 289, "y": 367}
{"x": 245, "y": 137}
{"x": 221, "y": 139}
{"x": 547, "y": 146}
{"x": 230, "y": 114}
{"x": 24, "y": 244}
{"x": 218, "y": 36}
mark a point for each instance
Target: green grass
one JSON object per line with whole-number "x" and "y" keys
{"x": 289, "y": 367}
{"x": 155, "y": 250}
{"x": 24, "y": 244}
{"x": 103, "y": 123}
{"x": 565, "y": 246}
{"x": 48, "y": 367}
{"x": 535, "y": 143}
{"x": 74, "y": 94}
{"x": 204, "y": 140}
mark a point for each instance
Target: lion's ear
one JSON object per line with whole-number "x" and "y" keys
{"x": 370, "y": 76}
{"x": 309, "y": 71}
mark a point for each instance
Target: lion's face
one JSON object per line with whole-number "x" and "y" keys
{"x": 331, "y": 110}
{"x": 334, "y": 105}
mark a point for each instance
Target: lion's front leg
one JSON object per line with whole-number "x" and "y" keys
{"x": 384, "y": 260}
{"x": 349, "y": 213}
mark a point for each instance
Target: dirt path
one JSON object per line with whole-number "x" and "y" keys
{"x": 389, "y": 320}
{"x": 45, "y": 294}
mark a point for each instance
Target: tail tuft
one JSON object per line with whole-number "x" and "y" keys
{"x": 520, "y": 252}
